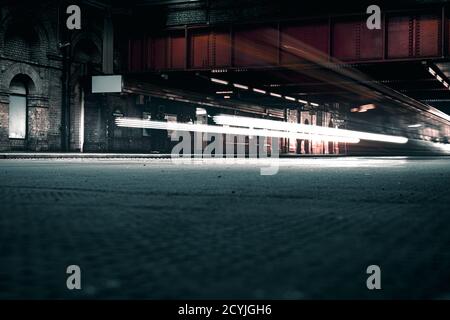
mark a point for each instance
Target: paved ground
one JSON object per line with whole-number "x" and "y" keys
{"x": 154, "y": 229}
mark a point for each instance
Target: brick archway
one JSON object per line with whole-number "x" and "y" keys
{"x": 43, "y": 29}
{"x": 21, "y": 68}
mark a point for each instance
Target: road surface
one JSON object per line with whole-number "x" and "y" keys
{"x": 154, "y": 229}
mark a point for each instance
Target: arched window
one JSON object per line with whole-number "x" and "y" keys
{"x": 17, "y": 109}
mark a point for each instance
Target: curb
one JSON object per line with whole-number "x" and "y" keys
{"x": 20, "y": 155}
{"x": 81, "y": 156}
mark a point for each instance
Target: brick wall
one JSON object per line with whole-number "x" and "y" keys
{"x": 29, "y": 46}
{"x": 38, "y": 125}
{"x": 4, "y": 119}
{"x": 54, "y": 109}
{"x": 29, "y": 49}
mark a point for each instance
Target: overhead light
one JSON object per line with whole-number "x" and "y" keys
{"x": 418, "y": 125}
{"x": 445, "y": 84}
{"x": 431, "y": 71}
{"x": 325, "y": 133}
{"x": 439, "y": 78}
{"x": 275, "y": 95}
{"x": 226, "y": 97}
{"x": 240, "y": 86}
{"x": 224, "y": 92}
{"x": 290, "y": 98}
{"x": 259, "y": 91}
{"x": 219, "y": 81}
{"x": 302, "y": 101}
{"x": 314, "y": 104}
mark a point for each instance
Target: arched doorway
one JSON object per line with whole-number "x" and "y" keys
{"x": 87, "y": 117}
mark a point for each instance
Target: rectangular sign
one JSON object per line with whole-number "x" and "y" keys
{"x": 105, "y": 84}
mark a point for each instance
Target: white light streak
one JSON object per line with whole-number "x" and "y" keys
{"x": 323, "y": 133}
{"x": 175, "y": 126}
{"x": 275, "y": 95}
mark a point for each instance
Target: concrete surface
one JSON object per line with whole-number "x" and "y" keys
{"x": 154, "y": 229}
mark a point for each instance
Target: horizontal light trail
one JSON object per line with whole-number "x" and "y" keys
{"x": 175, "y": 126}
{"x": 305, "y": 129}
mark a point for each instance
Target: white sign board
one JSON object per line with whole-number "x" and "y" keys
{"x": 105, "y": 84}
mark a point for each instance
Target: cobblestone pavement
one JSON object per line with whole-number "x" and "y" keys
{"x": 154, "y": 229}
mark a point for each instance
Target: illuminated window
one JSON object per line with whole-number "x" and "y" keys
{"x": 17, "y": 110}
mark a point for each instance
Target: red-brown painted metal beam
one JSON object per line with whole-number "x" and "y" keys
{"x": 404, "y": 36}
